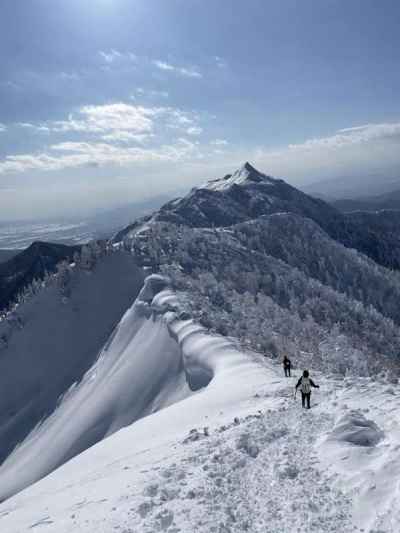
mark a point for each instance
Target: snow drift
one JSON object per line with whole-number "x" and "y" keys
{"x": 354, "y": 428}
{"x": 152, "y": 359}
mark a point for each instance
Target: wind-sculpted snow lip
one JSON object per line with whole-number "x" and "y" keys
{"x": 215, "y": 458}
{"x": 152, "y": 360}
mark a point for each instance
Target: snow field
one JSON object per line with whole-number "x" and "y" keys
{"x": 257, "y": 465}
{"x": 235, "y": 454}
{"x": 367, "y": 410}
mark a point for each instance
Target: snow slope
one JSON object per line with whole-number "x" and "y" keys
{"x": 57, "y": 344}
{"x": 241, "y": 176}
{"x": 238, "y": 454}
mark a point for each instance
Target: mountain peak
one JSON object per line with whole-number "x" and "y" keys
{"x": 243, "y": 175}
{"x": 247, "y": 166}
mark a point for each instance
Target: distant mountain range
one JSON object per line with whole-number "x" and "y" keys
{"x": 246, "y": 256}
{"x": 248, "y": 194}
{"x": 5, "y": 255}
{"x": 32, "y": 263}
{"x": 239, "y": 197}
{"x": 371, "y": 203}
{"x": 353, "y": 187}
{"x": 255, "y": 256}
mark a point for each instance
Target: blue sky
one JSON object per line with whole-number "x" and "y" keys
{"x": 104, "y": 102}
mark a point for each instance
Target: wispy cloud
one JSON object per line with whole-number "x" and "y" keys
{"x": 37, "y": 127}
{"x": 190, "y": 73}
{"x": 349, "y": 151}
{"x": 77, "y": 154}
{"x": 220, "y": 62}
{"x": 103, "y": 118}
{"x": 120, "y": 121}
{"x": 123, "y": 117}
{"x": 162, "y": 65}
{"x": 127, "y": 137}
{"x": 149, "y": 93}
{"x": 183, "y": 71}
{"x": 112, "y": 56}
{"x": 110, "y": 134}
{"x": 115, "y": 58}
{"x": 219, "y": 142}
{"x": 179, "y": 119}
{"x": 2, "y": 127}
{"x": 353, "y": 135}
{"x": 194, "y": 130}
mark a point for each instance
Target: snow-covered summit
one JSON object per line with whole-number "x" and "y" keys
{"x": 243, "y": 175}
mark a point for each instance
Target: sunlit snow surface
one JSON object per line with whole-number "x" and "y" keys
{"x": 239, "y": 177}
{"x": 236, "y": 455}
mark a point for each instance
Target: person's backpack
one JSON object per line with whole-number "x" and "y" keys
{"x": 305, "y": 385}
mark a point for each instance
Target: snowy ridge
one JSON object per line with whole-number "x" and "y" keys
{"x": 174, "y": 428}
{"x": 148, "y": 363}
{"x": 239, "y": 455}
{"x": 241, "y": 176}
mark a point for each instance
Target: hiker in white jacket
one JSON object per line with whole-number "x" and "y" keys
{"x": 305, "y": 383}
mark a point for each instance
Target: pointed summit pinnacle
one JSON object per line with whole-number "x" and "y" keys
{"x": 244, "y": 175}
{"x": 249, "y": 168}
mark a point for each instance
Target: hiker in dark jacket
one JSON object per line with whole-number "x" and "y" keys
{"x": 287, "y": 364}
{"x": 305, "y": 383}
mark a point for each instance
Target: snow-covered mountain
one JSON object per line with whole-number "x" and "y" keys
{"x": 33, "y": 263}
{"x": 247, "y": 194}
{"x": 49, "y": 343}
{"x": 160, "y": 405}
{"x": 237, "y": 455}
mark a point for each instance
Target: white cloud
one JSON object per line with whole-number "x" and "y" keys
{"x": 113, "y": 56}
{"x": 354, "y": 135}
{"x": 26, "y": 125}
{"x": 162, "y": 65}
{"x": 121, "y": 117}
{"x": 150, "y": 93}
{"x": 110, "y": 134}
{"x": 127, "y": 137}
{"x": 183, "y": 71}
{"x": 219, "y": 142}
{"x": 190, "y": 72}
{"x": 2, "y": 127}
{"x": 103, "y": 118}
{"x": 77, "y": 154}
{"x": 352, "y": 151}
{"x": 194, "y": 130}
{"x": 220, "y": 62}
{"x": 179, "y": 119}
{"x": 37, "y": 127}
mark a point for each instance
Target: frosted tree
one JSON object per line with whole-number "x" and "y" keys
{"x": 87, "y": 259}
{"x": 64, "y": 277}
